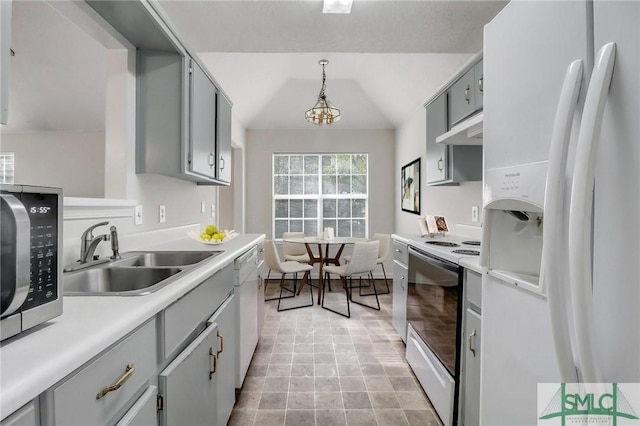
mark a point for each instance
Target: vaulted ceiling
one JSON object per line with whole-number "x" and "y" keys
{"x": 386, "y": 59}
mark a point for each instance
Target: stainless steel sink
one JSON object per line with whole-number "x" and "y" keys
{"x": 115, "y": 280}
{"x": 164, "y": 258}
{"x": 135, "y": 274}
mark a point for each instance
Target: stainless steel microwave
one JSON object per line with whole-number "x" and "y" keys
{"x": 31, "y": 258}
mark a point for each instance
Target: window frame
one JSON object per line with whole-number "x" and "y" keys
{"x": 319, "y": 196}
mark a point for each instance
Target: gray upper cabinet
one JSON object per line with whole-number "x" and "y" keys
{"x": 223, "y": 139}
{"x": 478, "y": 84}
{"x": 451, "y": 164}
{"x": 202, "y": 113}
{"x": 179, "y": 131}
{"x": 462, "y": 98}
{"x": 436, "y": 165}
{"x": 5, "y": 58}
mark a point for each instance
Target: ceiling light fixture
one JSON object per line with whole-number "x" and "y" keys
{"x": 323, "y": 112}
{"x": 337, "y": 6}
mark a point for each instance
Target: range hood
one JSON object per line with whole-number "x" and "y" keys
{"x": 467, "y": 132}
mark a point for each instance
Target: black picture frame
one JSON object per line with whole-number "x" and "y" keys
{"x": 410, "y": 187}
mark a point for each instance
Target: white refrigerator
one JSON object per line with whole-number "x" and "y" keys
{"x": 561, "y": 235}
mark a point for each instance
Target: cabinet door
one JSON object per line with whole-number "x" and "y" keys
{"x": 225, "y": 318}
{"x": 462, "y": 98}
{"x": 261, "y": 283}
{"x": 478, "y": 84}
{"x": 202, "y": 122}
{"x": 437, "y": 154}
{"x": 189, "y": 384}
{"x": 472, "y": 368}
{"x": 223, "y": 141}
{"x": 399, "y": 308}
{"x": 143, "y": 412}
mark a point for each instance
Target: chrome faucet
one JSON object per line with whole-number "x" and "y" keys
{"x": 89, "y": 243}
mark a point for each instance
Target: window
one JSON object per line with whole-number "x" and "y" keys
{"x": 315, "y": 191}
{"x": 7, "y": 165}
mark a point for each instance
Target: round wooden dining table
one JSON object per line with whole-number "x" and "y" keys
{"x": 324, "y": 256}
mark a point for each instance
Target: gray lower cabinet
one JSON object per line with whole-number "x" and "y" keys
{"x": 90, "y": 396}
{"x": 144, "y": 411}
{"x": 472, "y": 368}
{"x": 189, "y": 385}
{"x": 399, "y": 308}
{"x": 227, "y": 334}
{"x": 27, "y": 415}
{"x": 400, "y": 288}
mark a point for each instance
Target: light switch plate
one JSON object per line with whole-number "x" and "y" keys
{"x": 474, "y": 214}
{"x": 203, "y": 207}
{"x": 162, "y": 213}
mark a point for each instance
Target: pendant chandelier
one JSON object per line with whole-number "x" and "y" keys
{"x": 323, "y": 112}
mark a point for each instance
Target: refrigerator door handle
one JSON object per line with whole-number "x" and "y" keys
{"x": 580, "y": 214}
{"x": 553, "y": 249}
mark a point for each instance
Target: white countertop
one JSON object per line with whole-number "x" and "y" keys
{"x": 35, "y": 360}
{"x": 472, "y": 263}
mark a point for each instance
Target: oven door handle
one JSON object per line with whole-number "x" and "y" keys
{"x": 22, "y": 252}
{"x": 440, "y": 263}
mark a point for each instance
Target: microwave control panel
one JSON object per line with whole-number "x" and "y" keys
{"x": 43, "y": 214}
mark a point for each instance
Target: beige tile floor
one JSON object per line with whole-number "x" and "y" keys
{"x": 314, "y": 367}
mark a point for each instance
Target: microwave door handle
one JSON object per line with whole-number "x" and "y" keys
{"x": 553, "y": 249}
{"x": 22, "y": 251}
{"x": 580, "y": 213}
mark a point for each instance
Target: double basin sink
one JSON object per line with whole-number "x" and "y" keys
{"x": 135, "y": 274}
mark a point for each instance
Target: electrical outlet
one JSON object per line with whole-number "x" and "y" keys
{"x": 213, "y": 210}
{"x": 162, "y": 213}
{"x": 138, "y": 215}
{"x": 474, "y": 214}
{"x": 203, "y": 206}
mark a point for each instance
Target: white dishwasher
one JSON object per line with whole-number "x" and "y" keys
{"x": 246, "y": 290}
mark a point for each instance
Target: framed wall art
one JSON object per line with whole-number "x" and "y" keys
{"x": 410, "y": 191}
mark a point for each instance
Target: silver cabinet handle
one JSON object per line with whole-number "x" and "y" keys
{"x": 441, "y": 164}
{"x": 223, "y": 163}
{"x": 401, "y": 280}
{"x": 211, "y": 160}
{"x": 472, "y": 349}
{"x": 481, "y": 84}
{"x": 466, "y": 94}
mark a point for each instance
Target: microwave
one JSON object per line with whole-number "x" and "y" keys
{"x": 31, "y": 258}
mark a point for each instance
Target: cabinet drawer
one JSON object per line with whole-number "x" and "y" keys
{"x": 400, "y": 253}
{"x": 473, "y": 282}
{"x": 193, "y": 309}
{"x": 76, "y": 400}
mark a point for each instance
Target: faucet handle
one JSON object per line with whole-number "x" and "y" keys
{"x": 88, "y": 233}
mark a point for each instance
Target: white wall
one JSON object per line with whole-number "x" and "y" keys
{"x": 70, "y": 160}
{"x": 452, "y": 202}
{"x": 261, "y": 144}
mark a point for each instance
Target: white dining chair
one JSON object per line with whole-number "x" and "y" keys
{"x": 272, "y": 259}
{"x": 294, "y": 251}
{"x": 363, "y": 260}
{"x": 383, "y": 253}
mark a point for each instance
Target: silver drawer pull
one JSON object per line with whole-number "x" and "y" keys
{"x": 471, "y": 342}
{"x": 128, "y": 372}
